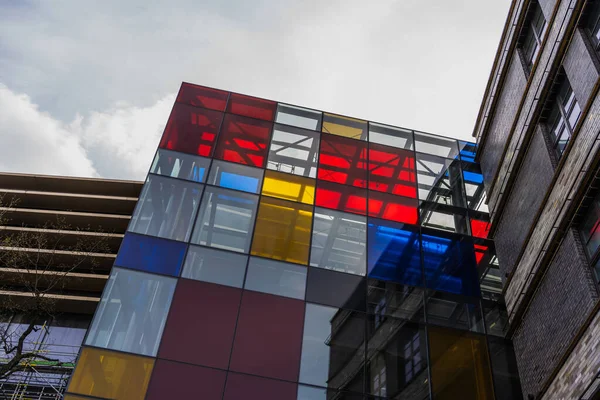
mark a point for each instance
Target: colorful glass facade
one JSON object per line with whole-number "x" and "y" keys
{"x": 278, "y": 252}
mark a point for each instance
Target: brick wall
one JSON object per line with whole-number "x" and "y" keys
{"x": 547, "y": 6}
{"x": 581, "y": 67}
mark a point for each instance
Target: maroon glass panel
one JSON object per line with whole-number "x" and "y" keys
{"x": 252, "y": 387}
{"x": 191, "y": 130}
{"x": 244, "y": 141}
{"x": 343, "y": 160}
{"x": 393, "y": 208}
{"x": 252, "y": 107}
{"x": 171, "y": 380}
{"x": 268, "y": 338}
{"x": 201, "y": 324}
{"x": 392, "y": 171}
{"x": 201, "y": 96}
{"x": 341, "y": 197}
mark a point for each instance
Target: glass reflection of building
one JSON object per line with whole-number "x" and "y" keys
{"x": 295, "y": 254}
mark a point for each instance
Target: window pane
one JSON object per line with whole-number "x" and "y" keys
{"x": 199, "y": 96}
{"x": 343, "y": 160}
{"x": 294, "y": 151}
{"x": 389, "y": 299}
{"x": 392, "y": 171}
{"x": 172, "y": 380}
{"x": 473, "y": 379}
{"x": 179, "y": 165}
{"x": 245, "y": 387}
{"x": 468, "y": 151}
{"x": 289, "y": 187}
{"x": 111, "y": 375}
{"x": 201, "y": 324}
{"x": 394, "y": 252}
{"x": 225, "y": 219}
{"x": 244, "y": 141}
{"x": 440, "y": 180}
{"x": 235, "y": 176}
{"x": 443, "y": 217}
{"x": 191, "y": 130}
{"x": 391, "y": 136}
{"x": 393, "y": 208}
{"x": 454, "y": 311}
{"x": 474, "y": 188}
{"x": 574, "y": 114}
{"x": 490, "y": 277}
{"x": 480, "y": 224}
{"x": 132, "y": 312}
{"x": 282, "y": 231}
{"x": 336, "y": 289}
{"x": 300, "y": 117}
{"x": 339, "y": 241}
{"x": 150, "y": 254}
{"x": 345, "y": 126}
{"x": 276, "y": 277}
{"x": 216, "y": 266}
{"x": 504, "y": 369}
{"x": 436, "y": 145}
{"x": 251, "y": 107}
{"x": 590, "y": 227}
{"x": 268, "y": 336}
{"x": 166, "y": 208}
{"x": 341, "y": 197}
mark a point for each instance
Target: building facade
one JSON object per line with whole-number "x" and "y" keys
{"x": 538, "y": 136}
{"x": 279, "y": 252}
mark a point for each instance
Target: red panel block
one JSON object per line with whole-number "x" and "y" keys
{"x": 268, "y": 338}
{"x": 171, "y": 380}
{"x": 201, "y": 324}
{"x": 252, "y": 107}
{"x": 343, "y": 160}
{"x": 480, "y": 229}
{"x": 392, "y": 171}
{"x": 252, "y": 387}
{"x": 393, "y": 208}
{"x": 341, "y": 197}
{"x": 244, "y": 141}
{"x": 191, "y": 130}
{"x": 200, "y": 96}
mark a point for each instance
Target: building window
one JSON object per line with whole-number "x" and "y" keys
{"x": 564, "y": 114}
{"x": 592, "y": 23}
{"x": 378, "y": 375}
{"x": 412, "y": 357}
{"x": 380, "y": 312}
{"x": 533, "y": 29}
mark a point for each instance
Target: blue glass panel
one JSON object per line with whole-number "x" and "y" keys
{"x": 239, "y": 182}
{"x": 467, "y": 151}
{"x": 150, "y": 254}
{"x": 235, "y": 176}
{"x": 449, "y": 263}
{"x": 394, "y": 253}
{"x": 472, "y": 177}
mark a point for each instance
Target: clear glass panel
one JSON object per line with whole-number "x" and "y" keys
{"x": 474, "y": 188}
{"x": 453, "y": 311}
{"x": 215, "y": 266}
{"x": 447, "y": 218}
{"x": 180, "y": 165}
{"x": 345, "y": 126}
{"x": 300, "y": 117}
{"x": 440, "y": 180}
{"x": 339, "y": 241}
{"x": 294, "y": 151}
{"x": 276, "y": 277}
{"x": 289, "y": 187}
{"x": 226, "y": 219}
{"x": 436, "y": 145}
{"x": 132, "y": 312}
{"x": 235, "y": 176}
{"x": 391, "y": 136}
{"x": 166, "y": 208}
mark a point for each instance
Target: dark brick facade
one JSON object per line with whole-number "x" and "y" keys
{"x": 564, "y": 300}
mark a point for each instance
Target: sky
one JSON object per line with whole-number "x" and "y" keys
{"x": 86, "y": 87}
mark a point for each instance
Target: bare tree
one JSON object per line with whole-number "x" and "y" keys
{"x": 38, "y": 265}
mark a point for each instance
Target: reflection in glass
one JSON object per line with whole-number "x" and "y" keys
{"x": 150, "y": 254}
{"x": 454, "y": 311}
{"x": 215, "y": 266}
{"x": 444, "y": 217}
{"x": 336, "y": 289}
{"x": 294, "y": 151}
{"x": 388, "y": 299}
{"x": 440, "y": 180}
{"x": 437, "y": 145}
{"x": 299, "y": 117}
{"x": 276, "y": 277}
{"x": 391, "y": 136}
{"x": 235, "y": 176}
{"x": 180, "y": 165}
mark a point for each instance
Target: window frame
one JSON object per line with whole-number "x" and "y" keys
{"x": 561, "y": 113}
{"x": 530, "y": 35}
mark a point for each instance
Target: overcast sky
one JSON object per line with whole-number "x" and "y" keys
{"x": 86, "y": 86}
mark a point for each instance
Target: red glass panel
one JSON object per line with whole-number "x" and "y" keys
{"x": 191, "y": 130}
{"x": 393, "y": 208}
{"x": 252, "y": 107}
{"x": 252, "y": 387}
{"x": 244, "y": 141}
{"x": 341, "y": 197}
{"x": 201, "y": 324}
{"x": 268, "y": 337}
{"x": 171, "y": 380}
{"x": 479, "y": 228}
{"x": 392, "y": 171}
{"x": 200, "y": 96}
{"x": 480, "y": 251}
{"x": 343, "y": 160}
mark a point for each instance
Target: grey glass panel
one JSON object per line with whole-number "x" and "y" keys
{"x": 180, "y": 165}
{"x": 132, "y": 312}
{"x": 394, "y": 300}
{"x": 391, "y": 136}
{"x": 294, "y": 151}
{"x": 339, "y": 241}
{"x": 276, "y": 277}
{"x": 436, "y": 145}
{"x": 440, "y": 180}
{"x": 226, "y": 219}
{"x": 215, "y": 266}
{"x": 300, "y": 117}
{"x": 454, "y": 311}
{"x": 166, "y": 208}
{"x": 235, "y": 176}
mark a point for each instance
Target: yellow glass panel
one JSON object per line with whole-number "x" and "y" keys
{"x": 282, "y": 230}
{"x": 459, "y": 365}
{"x": 345, "y": 126}
{"x": 289, "y": 187}
{"x": 71, "y": 397}
{"x": 111, "y": 375}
